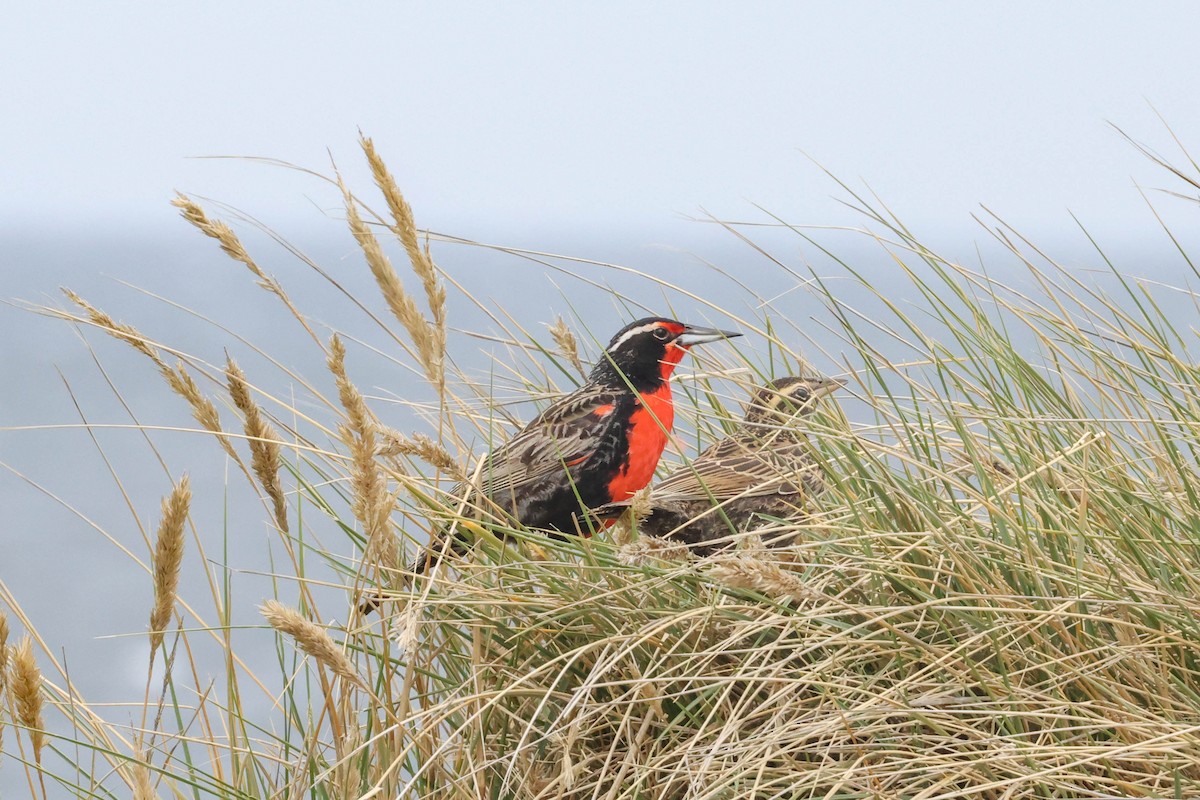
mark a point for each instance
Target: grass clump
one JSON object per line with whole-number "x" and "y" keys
{"x": 997, "y": 597}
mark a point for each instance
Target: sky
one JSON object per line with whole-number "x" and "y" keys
{"x": 618, "y": 118}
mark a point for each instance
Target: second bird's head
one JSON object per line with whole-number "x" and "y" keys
{"x": 777, "y": 402}
{"x": 643, "y": 353}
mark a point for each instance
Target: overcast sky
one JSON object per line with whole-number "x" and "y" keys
{"x": 619, "y": 116}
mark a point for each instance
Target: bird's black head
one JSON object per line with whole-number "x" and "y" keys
{"x": 644, "y": 353}
{"x": 779, "y": 401}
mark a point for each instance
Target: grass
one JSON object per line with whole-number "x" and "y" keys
{"x": 998, "y": 597}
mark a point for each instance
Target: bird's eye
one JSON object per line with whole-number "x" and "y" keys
{"x": 662, "y": 334}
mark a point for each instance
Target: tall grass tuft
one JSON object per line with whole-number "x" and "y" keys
{"x": 997, "y": 597}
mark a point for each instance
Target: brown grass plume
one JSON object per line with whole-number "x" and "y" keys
{"x": 427, "y": 338}
{"x": 309, "y": 637}
{"x": 405, "y": 227}
{"x": 178, "y": 378}
{"x": 232, "y": 246}
{"x": 567, "y": 346}
{"x": 264, "y": 441}
{"x": 26, "y": 687}
{"x": 168, "y": 556}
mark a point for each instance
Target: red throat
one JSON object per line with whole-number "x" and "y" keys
{"x": 670, "y": 360}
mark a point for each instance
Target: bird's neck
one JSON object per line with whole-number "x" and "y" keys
{"x": 644, "y": 378}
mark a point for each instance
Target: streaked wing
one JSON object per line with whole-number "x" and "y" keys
{"x": 566, "y": 433}
{"x": 733, "y": 468}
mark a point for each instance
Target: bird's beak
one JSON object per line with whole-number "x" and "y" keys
{"x": 823, "y": 386}
{"x": 693, "y": 335}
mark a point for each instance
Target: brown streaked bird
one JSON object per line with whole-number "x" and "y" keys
{"x": 762, "y": 469}
{"x": 599, "y": 444}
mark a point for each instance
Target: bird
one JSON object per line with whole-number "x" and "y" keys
{"x": 762, "y": 469}
{"x": 598, "y": 444}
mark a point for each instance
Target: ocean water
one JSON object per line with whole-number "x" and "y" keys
{"x": 75, "y": 497}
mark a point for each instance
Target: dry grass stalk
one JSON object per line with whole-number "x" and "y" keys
{"x": 168, "y": 556}
{"x": 203, "y": 409}
{"x": 564, "y": 339}
{"x": 265, "y": 458}
{"x": 419, "y": 445}
{"x": 309, "y": 637}
{"x": 425, "y": 337}
{"x": 26, "y": 687}
{"x": 405, "y": 227}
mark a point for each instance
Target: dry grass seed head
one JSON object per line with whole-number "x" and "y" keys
{"x": 362, "y": 422}
{"x": 749, "y": 572}
{"x": 429, "y": 345}
{"x": 372, "y": 503}
{"x": 405, "y": 227}
{"x": 216, "y": 229}
{"x": 168, "y": 556}
{"x": 203, "y": 409}
{"x": 419, "y": 445}
{"x": 141, "y": 781}
{"x": 309, "y": 637}
{"x": 126, "y": 333}
{"x": 177, "y": 378}
{"x": 26, "y": 687}
{"x": 3, "y": 650}
{"x": 265, "y": 456}
{"x": 647, "y": 548}
{"x": 233, "y": 247}
{"x": 567, "y": 346}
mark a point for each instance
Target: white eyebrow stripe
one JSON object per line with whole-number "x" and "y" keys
{"x": 649, "y": 326}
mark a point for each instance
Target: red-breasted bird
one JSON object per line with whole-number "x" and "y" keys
{"x": 763, "y": 469}
{"x": 599, "y": 444}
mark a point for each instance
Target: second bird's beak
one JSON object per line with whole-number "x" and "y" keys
{"x": 693, "y": 335}
{"x": 823, "y": 386}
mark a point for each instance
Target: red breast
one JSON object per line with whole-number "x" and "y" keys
{"x": 649, "y": 428}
